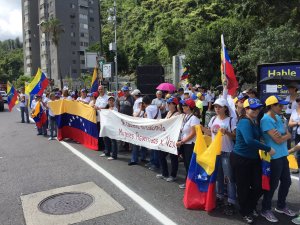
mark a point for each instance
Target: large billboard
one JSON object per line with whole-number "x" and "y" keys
{"x": 285, "y": 69}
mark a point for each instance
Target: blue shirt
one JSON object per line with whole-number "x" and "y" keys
{"x": 268, "y": 123}
{"x": 247, "y": 139}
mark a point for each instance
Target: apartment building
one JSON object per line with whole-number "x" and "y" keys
{"x": 80, "y": 24}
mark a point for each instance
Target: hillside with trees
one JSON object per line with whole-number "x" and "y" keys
{"x": 255, "y": 31}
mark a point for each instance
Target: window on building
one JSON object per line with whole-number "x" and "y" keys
{"x": 73, "y": 52}
{"x": 74, "y": 61}
{"x": 91, "y": 2}
{"x": 72, "y": 6}
{"x": 92, "y": 19}
{"x": 73, "y": 25}
{"x": 74, "y": 71}
{"x": 73, "y": 43}
{"x": 82, "y": 34}
{"x": 91, "y": 11}
{"x": 82, "y": 61}
{"x": 83, "y": 16}
{"x": 84, "y": 26}
{"x": 81, "y": 53}
{"x": 72, "y": 34}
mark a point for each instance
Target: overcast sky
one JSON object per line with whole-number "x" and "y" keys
{"x": 10, "y": 19}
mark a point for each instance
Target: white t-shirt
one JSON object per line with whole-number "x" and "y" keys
{"x": 33, "y": 104}
{"x": 289, "y": 108}
{"x": 215, "y": 123}
{"x": 159, "y": 102}
{"x": 136, "y": 105}
{"x": 86, "y": 99}
{"x": 25, "y": 102}
{"x": 189, "y": 121}
{"x": 151, "y": 112}
{"x": 101, "y": 101}
{"x": 296, "y": 118}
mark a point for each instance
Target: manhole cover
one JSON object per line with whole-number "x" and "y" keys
{"x": 66, "y": 203}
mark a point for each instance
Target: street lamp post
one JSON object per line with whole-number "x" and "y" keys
{"x": 113, "y": 46}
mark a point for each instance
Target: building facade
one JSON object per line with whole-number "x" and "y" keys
{"x": 79, "y": 21}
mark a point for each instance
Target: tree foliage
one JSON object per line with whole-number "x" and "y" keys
{"x": 255, "y": 31}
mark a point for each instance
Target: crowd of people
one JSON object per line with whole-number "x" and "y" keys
{"x": 247, "y": 126}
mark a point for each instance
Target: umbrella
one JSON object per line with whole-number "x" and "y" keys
{"x": 286, "y": 80}
{"x": 166, "y": 87}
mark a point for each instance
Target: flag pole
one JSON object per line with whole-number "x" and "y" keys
{"x": 224, "y": 78}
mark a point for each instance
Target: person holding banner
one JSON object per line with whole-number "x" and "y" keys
{"x": 172, "y": 106}
{"x": 275, "y": 134}
{"x": 245, "y": 160}
{"x": 187, "y": 135}
{"x": 111, "y": 147}
{"x": 83, "y": 97}
{"x": 151, "y": 112}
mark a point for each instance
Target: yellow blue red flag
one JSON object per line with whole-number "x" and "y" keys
{"x": 37, "y": 85}
{"x": 77, "y": 121}
{"x": 95, "y": 85}
{"x": 201, "y": 180}
{"x": 12, "y": 96}
{"x": 39, "y": 115}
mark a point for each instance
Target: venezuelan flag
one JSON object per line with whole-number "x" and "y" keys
{"x": 77, "y": 121}
{"x": 39, "y": 115}
{"x": 227, "y": 70}
{"x": 95, "y": 85}
{"x": 12, "y": 96}
{"x": 266, "y": 169}
{"x": 186, "y": 73}
{"x": 201, "y": 181}
{"x": 37, "y": 85}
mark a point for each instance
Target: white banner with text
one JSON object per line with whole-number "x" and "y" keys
{"x": 153, "y": 134}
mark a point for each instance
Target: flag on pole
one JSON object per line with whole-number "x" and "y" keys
{"x": 94, "y": 86}
{"x": 227, "y": 71}
{"x": 12, "y": 96}
{"x": 37, "y": 85}
{"x": 201, "y": 180}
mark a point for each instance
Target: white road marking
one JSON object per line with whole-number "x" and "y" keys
{"x": 135, "y": 197}
{"x": 294, "y": 177}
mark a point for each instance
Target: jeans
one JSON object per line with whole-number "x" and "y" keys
{"x": 111, "y": 147}
{"x": 24, "y": 110}
{"x": 279, "y": 172}
{"x": 247, "y": 176}
{"x": 53, "y": 126}
{"x": 135, "y": 153}
{"x": 154, "y": 158}
{"x": 225, "y": 177}
{"x": 164, "y": 164}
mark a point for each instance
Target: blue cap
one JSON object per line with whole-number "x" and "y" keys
{"x": 173, "y": 100}
{"x": 194, "y": 96}
{"x": 252, "y": 103}
{"x": 89, "y": 94}
{"x": 241, "y": 96}
{"x": 125, "y": 88}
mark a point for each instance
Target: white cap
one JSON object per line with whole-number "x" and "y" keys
{"x": 221, "y": 102}
{"x": 136, "y": 92}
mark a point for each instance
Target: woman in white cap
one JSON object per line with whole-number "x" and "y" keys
{"x": 227, "y": 125}
{"x": 275, "y": 134}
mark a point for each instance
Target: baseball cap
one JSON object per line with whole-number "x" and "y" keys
{"x": 199, "y": 94}
{"x": 274, "y": 99}
{"x": 252, "y": 103}
{"x": 194, "y": 96}
{"x": 89, "y": 94}
{"x": 221, "y": 102}
{"x": 235, "y": 100}
{"x": 95, "y": 94}
{"x": 189, "y": 102}
{"x": 136, "y": 92}
{"x": 168, "y": 96}
{"x": 111, "y": 97}
{"x": 83, "y": 90}
{"x": 125, "y": 88}
{"x": 242, "y": 96}
{"x": 173, "y": 100}
{"x": 180, "y": 89}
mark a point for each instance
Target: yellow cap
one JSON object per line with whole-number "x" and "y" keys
{"x": 235, "y": 100}
{"x": 168, "y": 96}
{"x": 274, "y": 100}
{"x": 199, "y": 95}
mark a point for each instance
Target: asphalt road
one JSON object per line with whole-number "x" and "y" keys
{"x": 30, "y": 164}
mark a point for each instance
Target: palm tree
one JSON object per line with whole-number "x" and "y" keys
{"x": 54, "y": 28}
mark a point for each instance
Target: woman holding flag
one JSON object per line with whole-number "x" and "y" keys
{"x": 245, "y": 160}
